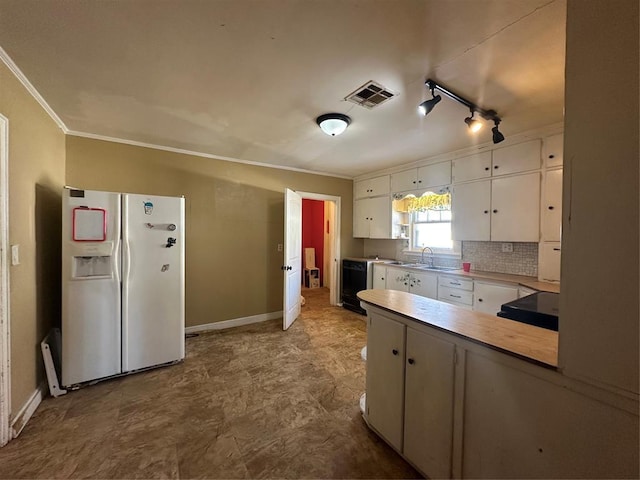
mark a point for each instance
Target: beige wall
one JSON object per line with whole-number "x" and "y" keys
{"x": 235, "y": 219}
{"x": 36, "y": 175}
{"x": 599, "y": 302}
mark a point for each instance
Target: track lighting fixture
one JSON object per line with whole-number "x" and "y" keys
{"x": 333, "y": 123}
{"x": 425, "y": 107}
{"x": 473, "y": 123}
{"x": 497, "y": 135}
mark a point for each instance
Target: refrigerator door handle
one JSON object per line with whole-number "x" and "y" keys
{"x": 126, "y": 271}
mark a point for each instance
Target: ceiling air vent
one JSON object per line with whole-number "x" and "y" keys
{"x": 370, "y": 95}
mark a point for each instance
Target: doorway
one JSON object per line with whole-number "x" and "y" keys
{"x": 323, "y": 234}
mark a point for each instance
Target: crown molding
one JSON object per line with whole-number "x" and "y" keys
{"x": 6, "y": 59}
{"x": 183, "y": 151}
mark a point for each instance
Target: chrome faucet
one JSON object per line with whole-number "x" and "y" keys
{"x": 430, "y": 256}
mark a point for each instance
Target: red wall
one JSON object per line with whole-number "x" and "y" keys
{"x": 313, "y": 230}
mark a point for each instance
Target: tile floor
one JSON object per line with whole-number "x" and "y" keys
{"x": 248, "y": 402}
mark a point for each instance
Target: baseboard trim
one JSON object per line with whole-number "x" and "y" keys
{"x": 234, "y": 322}
{"x": 27, "y": 410}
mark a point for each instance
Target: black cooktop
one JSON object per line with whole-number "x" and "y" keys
{"x": 539, "y": 309}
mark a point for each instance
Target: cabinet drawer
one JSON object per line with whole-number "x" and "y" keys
{"x": 455, "y": 295}
{"x": 454, "y": 282}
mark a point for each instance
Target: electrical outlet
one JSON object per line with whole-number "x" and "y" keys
{"x": 280, "y": 247}
{"x": 15, "y": 254}
{"x": 507, "y": 247}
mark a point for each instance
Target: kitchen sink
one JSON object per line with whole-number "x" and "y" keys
{"x": 423, "y": 266}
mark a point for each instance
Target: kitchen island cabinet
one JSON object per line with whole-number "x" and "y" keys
{"x": 495, "y": 382}
{"x": 410, "y": 379}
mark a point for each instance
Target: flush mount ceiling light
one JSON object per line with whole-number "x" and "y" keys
{"x": 473, "y": 124}
{"x": 333, "y": 123}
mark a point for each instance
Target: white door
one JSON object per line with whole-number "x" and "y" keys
{"x": 292, "y": 257}
{"x": 152, "y": 280}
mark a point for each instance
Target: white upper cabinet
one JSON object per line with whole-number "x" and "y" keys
{"x": 552, "y": 150}
{"x": 552, "y": 206}
{"x": 404, "y": 181}
{"x": 522, "y": 157}
{"x": 371, "y": 187}
{"x": 502, "y": 209}
{"x": 471, "y": 206}
{"x": 435, "y": 175}
{"x": 515, "y": 208}
{"x": 372, "y": 218}
{"x": 471, "y": 168}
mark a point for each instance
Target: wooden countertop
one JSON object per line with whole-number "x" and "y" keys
{"x": 531, "y": 343}
{"x": 530, "y": 282}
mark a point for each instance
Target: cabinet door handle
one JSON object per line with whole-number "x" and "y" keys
{"x": 486, "y": 211}
{"x": 550, "y": 207}
{"x": 382, "y": 278}
{"x": 486, "y": 169}
{"x": 414, "y": 181}
{"x": 495, "y": 167}
{"x": 394, "y": 351}
{"x": 411, "y": 361}
{"x": 552, "y": 156}
{"x": 479, "y": 299}
{"x": 419, "y": 181}
{"x": 495, "y": 211}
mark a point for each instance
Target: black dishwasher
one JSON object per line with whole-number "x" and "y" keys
{"x": 354, "y": 278}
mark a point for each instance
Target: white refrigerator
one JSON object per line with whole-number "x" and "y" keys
{"x": 122, "y": 283}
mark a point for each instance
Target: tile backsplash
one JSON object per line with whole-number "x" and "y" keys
{"x": 483, "y": 256}
{"x": 488, "y": 257}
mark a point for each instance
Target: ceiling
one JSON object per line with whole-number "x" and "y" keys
{"x": 246, "y": 79}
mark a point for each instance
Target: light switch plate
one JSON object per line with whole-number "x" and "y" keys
{"x": 15, "y": 254}
{"x": 507, "y": 247}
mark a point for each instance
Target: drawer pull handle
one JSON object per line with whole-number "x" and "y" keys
{"x": 394, "y": 351}
{"x": 454, "y": 296}
{"x": 454, "y": 283}
{"x": 556, "y": 249}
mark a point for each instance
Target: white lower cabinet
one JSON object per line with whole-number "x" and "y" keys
{"x": 379, "y": 276}
{"x": 489, "y": 297}
{"x": 418, "y": 283}
{"x": 410, "y": 393}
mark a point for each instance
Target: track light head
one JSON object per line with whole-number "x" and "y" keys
{"x": 497, "y": 135}
{"x": 425, "y": 107}
{"x": 473, "y": 124}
